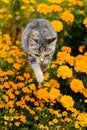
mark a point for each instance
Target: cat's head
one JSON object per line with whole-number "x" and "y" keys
{"x": 40, "y": 41}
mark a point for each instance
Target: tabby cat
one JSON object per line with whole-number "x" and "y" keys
{"x": 39, "y": 41}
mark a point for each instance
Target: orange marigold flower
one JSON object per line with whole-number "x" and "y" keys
{"x": 27, "y": 75}
{"x": 9, "y": 72}
{"x": 5, "y": 97}
{"x": 66, "y": 49}
{"x": 65, "y": 57}
{"x": 84, "y": 91}
{"x": 44, "y": 8}
{"x": 85, "y": 22}
{"x": 67, "y": 16}
{"x": 80, "y": 3}
{"x": 42, "y": 94}
{"x": 73, "y": 1}
{"x": 54, "y": 94}
{"x": 58, "y": 25}
{"x": 54, "y": 83}
{"x": 23, "y": 118}
{"x": 10, "y": 60}
{"x": 64, "y": 71}
{"x": 76, "y": 85}
{"x": 20, "y": 77}
{"x": 81, "y": 48}
{"x": 67, "y": 101}
{"x": 17, "y": 66}
{"x": 25, "y": 89}
{"x": 10, "y": 103}
{"x": 6, "y": 85}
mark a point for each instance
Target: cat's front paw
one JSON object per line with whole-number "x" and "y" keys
{"x": 40, "y": 78}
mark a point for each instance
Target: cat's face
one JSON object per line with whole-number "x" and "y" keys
{"x": 42, "y": 47}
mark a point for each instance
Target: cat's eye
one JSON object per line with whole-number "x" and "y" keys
{"x": 36, "y": 40}
{"x": 37, "y": 55}
{"x": 50, "y": 40}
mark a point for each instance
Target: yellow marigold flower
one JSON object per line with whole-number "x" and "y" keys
{"x": 82, "y": 119}
{"x": 44, "y": 8}
{"x": 51, "y": 123}
{"x": 56, "y": 1}
{"x": 17, "y": 123}
{"x": 55, "y": 120}
{"x": 67, "y": 101}
{"x": 54, "y": 94}
{"x": 67, "y": 119}
{"x": 80, "y": 61}
{"x": 85, "y": 100}
{"x": 36, "y": 118}
{"x": 67, "y": 16}
{"x": 77, "y": 126}
{"x": 9, "y": 16}
{"x": 32, "y": 86}
{"x": 23, "y": 7}
{"x": 58, "y": 25}
{"x": 56, "y": 8}
{"x": 6, "y": 1}
{"x": 66, "y": 49}
{"x": 64, "y": 113}
{"x": 3, "y": 10}
{"x": 85, "y": 22}
{"x": 32, "y": 9}
{"x": 6, "y": 118}
{"x": 64, "y": 71}
{"x": 46, "y": 76}
{"x": 56, "y": 112}
{"x": 33, "y": 1}
{"x": 1, "y": 16}
{"x": 26, "y": 1}
{"x": 46, "y": 84}
{"x": 41, "y": 126}
{"x": 76, "y": 85}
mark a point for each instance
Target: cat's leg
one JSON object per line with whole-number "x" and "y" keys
{"x": 37, "y": 69}
{"x": 38, "y": 72}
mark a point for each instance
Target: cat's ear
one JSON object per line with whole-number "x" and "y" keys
{"x": 32, "y": 43}
{"x": 50, "y": 40}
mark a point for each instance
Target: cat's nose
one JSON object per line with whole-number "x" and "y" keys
{"x": 42, "y": 60}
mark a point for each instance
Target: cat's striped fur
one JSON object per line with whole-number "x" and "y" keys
{"x": 39, "y": 41}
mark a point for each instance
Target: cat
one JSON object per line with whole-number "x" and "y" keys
{"x": 39, "y": 41}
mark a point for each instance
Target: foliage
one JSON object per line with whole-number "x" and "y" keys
{"x": 59, "y": 103}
